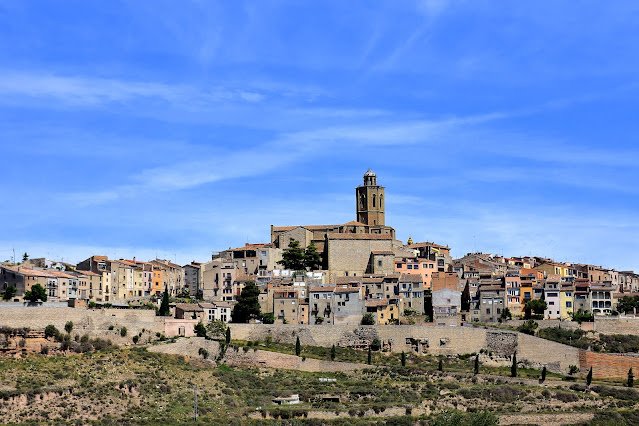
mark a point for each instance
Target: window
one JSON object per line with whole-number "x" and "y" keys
{"x": 568, "y": 304}
{"x": 409, "y": 266}
{"x": 379, "y": 263}
{"x": 399, "y": 266}
{"x": 416, "y": 266}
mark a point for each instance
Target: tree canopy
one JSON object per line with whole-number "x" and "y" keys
{"x": 537, "y": 306}
{"x": 248, "y": 304}
{"x": 165, "y": 309}
{"x": 9, "y": 293}
{"x": 298, "y": 259}
{"x": 36, "y": 293}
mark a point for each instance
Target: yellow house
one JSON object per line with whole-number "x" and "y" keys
{"x": 553, "y": 269}
{"x": 385, "y": 311}
{"x": 566, "y": 300}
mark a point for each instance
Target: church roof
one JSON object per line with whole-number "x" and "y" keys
{"x": 369, "y": 172}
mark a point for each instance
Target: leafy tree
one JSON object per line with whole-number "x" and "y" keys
{"x": 506, "y": 314}
{"x": 476, "y": 367}
{"x": 51, "y": 331}
{"x": 631, "y": 378}
{"x": 25, "y": 257}
{"x": 319, "y": 320}
{"x": 403, "y": 359}
{"x": 228, "y": 336}
{"x": 200, "y": 330}
{"x": 216, "y": 329}
{"x": 368, "y": 319}
{"x": 513, "y": 368}
{"x": 68, "y": 326}
{"x": 294, "y": 257}
{"x": 537, "y": 306}
{"x": 627, "y": 304}
{"x": 573, "y": 369}
{"x": 37, "y": 293}
{"x": 376, "y": 344}
{"x": 369, "y": 358}
{"x": 589, "y": 377}
{"x": 312, "y": 258}
{"x": 528, "y": 327}
{"x": 298, "y": 346}
{"x": 465, "y": 298}
{"x": 248, "y": 304}
{"x": 165, "y": 309}
{"x": 543, "y": 374}
{"x": 333, "y": 353}
{"x": 9, "y": 293}
{"x": 268, "y": 318}
{"x": 582, "y": 316}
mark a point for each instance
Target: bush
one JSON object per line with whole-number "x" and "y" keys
{"x": 567, "y": 337}
{"x": 111, "y": 327}
{"x": 136, "y": 338}
{"x": 44, "y": 350}
{"x": 528, "y": 327}
{"x": 68, "y": 326}
{"x": 51, "y": 331}
{"x": 376, "y": 344}
{"x": 368, "y": 319}
{"x": 268, "y": 318}
{"x": 123, "y": 331}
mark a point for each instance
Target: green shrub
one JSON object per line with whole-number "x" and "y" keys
{"x": 68, "y": 326}
{"x": 123, "y": 331}
{"x": 51, "y": 331}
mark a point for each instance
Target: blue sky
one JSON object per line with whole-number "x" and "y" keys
{"x": 178, "y": 128}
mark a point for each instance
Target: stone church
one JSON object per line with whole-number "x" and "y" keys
{"x": 362, "y": 246}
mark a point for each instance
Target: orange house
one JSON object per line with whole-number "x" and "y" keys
{"x": 159, "y": 280}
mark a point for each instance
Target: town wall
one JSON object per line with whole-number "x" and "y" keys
{"x": 252, "y": 358}
{"x": 95, "y": 322}
{"x": 617, "y": 325}
{"x": 607, "y": 365}
{"x": 532, "y": 351}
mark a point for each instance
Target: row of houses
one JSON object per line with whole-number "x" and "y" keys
{"x": 97, "y": 278}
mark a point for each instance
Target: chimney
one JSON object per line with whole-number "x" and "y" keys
{"x": 133, "y": 259}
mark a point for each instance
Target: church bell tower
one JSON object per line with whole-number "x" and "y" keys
{"x": 370, "y": 201}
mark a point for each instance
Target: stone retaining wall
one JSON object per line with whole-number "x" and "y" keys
{"x": 532, "y": 351}
{"x": 95, "y": 322}
{"x": 617, "y": 325}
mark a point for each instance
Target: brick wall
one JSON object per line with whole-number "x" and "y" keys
{"x": 607, "y": 365}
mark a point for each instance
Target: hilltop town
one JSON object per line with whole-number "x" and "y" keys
{"x": 335, "y": 274}
{"x": 323, "y": 315}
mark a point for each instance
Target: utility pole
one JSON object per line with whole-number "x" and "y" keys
{"x": 14, "y": 255}
{"x": 195, "y": 403}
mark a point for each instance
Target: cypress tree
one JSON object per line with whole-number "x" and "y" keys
{"x": 631, "y": 378}
{"x": 403, "y": 359}
{"x": 228, "y": 335}
{"x": 165, "y": 310}
{"x": 298, "y": 346}
{"x": 476, "y": 370}
{"x": 440, "y": 366}
{"x": 543, "y": 374}
{"x": 513, "y": 368}
{"x": 369, "y": 359}
{"x": 589, "y": 377}
{"x": 333, "y": 353}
